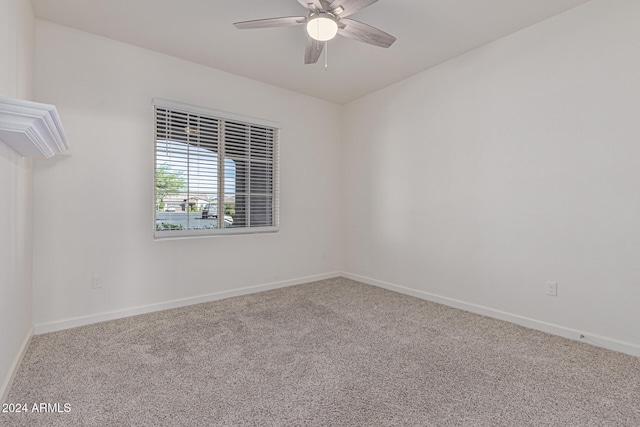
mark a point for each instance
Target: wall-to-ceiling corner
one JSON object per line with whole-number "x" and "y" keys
{"x": 17, "y": 32}
{"x": 476, "y": 182}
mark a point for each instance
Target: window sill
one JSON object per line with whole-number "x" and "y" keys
{"x": 190, "y": 234}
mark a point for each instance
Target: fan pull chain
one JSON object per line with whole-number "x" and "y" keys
{"x": 326, "y": 54}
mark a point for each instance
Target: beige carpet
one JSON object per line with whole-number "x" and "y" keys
{"x": 330, "y": 353}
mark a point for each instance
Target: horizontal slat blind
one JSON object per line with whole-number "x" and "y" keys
{"x": 252, "y": 148}
{"x": 209, "y": 165}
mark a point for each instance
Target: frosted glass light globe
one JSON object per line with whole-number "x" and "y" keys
{"x": 322, "y": 28}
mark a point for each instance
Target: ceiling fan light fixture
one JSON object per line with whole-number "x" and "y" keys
{"x": 322, "y": 27}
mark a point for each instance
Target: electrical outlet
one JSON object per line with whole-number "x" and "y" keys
{"x": 552, "y": 289}
{"x": 96, "y": 282}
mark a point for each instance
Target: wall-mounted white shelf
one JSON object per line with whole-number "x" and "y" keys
{"x": 31, "y": 128}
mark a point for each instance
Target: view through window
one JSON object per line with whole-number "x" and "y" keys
{"x": 213, "y": 174}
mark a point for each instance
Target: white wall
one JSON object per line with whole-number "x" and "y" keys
{"x": 512, "y": 165}
{"x": 17, "y": 25}
{"x": 94, "y": 207}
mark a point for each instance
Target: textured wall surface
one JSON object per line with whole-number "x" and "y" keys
{"x": 16, "y": 190}
{"x": 515, "y": 164}
{"x": 99, "y": 198}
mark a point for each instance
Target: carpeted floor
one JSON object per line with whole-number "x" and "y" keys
{"x": 329, "y": 353}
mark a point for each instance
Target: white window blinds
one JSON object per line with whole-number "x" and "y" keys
{"x": 214, "y": 173}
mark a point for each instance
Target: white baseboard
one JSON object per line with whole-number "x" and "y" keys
{"x": 74, "y": 322}
{"x": 593, "y": 339}
{"x": 13, "y": 369}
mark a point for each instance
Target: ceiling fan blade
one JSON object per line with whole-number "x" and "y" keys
{"x": 271, "y": 22}
{"x": 350, "y": 6}
{"x": 362, "y": 32}
{"x": 304, "y": 3}
{"x": 313, "y": 51}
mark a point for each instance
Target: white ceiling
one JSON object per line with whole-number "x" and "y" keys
{"x": 429, "y": 32}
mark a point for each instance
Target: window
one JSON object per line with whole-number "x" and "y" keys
{"x": 215, "y": 173}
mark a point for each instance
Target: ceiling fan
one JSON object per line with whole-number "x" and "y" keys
{"x": 325, "y": 19}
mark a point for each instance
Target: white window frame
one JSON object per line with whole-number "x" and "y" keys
{"x": 223, "y": 117}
